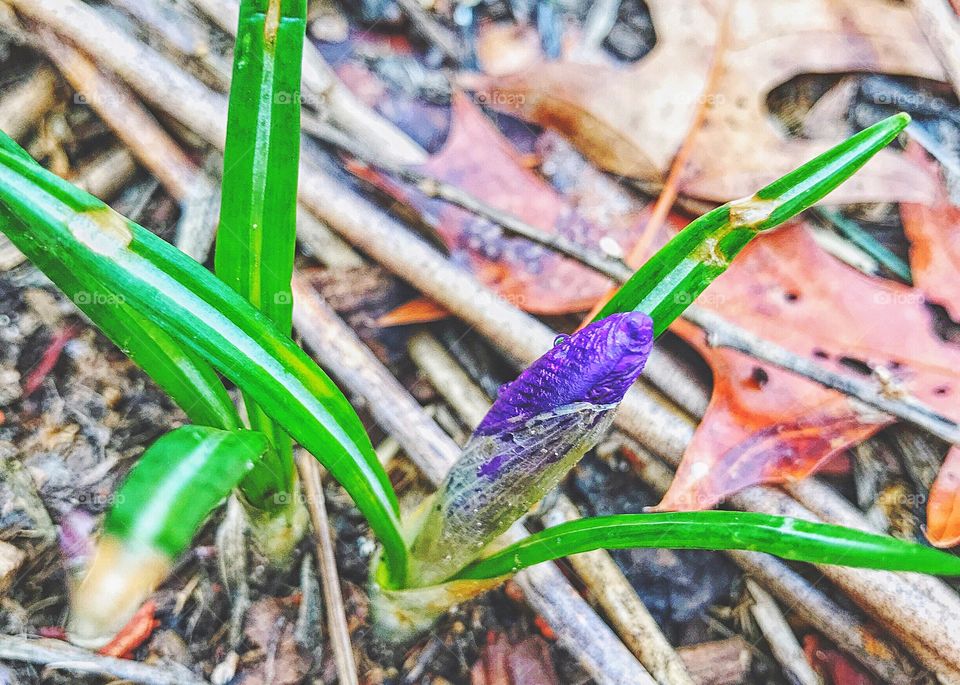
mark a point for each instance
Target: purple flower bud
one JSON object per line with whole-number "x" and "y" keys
{"x": 597, "y": 365}
{"x": 540, "y": 426}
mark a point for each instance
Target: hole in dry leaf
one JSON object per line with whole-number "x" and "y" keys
{"x": 633, "y": 35}
{"x": 857, "y": 365}
{"x": 758, "y": 378}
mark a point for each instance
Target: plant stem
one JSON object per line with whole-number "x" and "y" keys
{"x": 256, "y": 236}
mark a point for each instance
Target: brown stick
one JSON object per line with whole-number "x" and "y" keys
{"x": 783, "y": 643}
{"x": 64, "y": 656}
{"x": 123, "y": 113}
{"x": 722, "y": 334}
{"x": 598, "y": 570}
{"x": 24, "y": 104}
{"x": 336, "y": 615}
{"x": 166, "y": 86}
{"x": 579, "y": 630}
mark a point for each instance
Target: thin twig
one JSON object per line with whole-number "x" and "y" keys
{"x": 435, "y": 32}
{"x": 336, "y": 614}
{"x": 722, "y": 334}
{"x": 783, "y": 643}
{"x": 24, "y": 104}
{"x": 598, "y": 570}
{"x": 64, "y": 656}
{"x": 611, "y": 267}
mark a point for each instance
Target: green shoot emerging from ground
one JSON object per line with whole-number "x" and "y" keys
{"x": 184, "y": 326}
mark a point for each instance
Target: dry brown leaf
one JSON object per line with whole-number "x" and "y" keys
{"x": 764, "y": 425}
{"x": 270, "y": 626}
{"x": 943, "y": 507}
{"x": 479, "y": 159}
{"x": 934, "y": 233}
{"x": 631, "y": 120}
{"x": 525, "y": 663}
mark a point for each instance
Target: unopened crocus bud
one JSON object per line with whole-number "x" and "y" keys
{"x": 540, "y": 426}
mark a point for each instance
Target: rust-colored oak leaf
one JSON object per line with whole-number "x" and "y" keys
{"x": 934, "y": 233}
{"x": 943, "y": 507}
{"x": 765, "y": 425}
{"x": 526, "y": 663}
{"x": 479, "y": 159}
{"x": 631, "y": 120}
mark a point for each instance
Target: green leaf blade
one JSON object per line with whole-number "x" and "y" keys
{"x": 673, "y": 278}
{"x": 789, "y": 538}
{"x": 178, "y": 482}
{"x": 205, "y": 315}
{"x": 188, "y": 380}
{"x": 256, "y": 237}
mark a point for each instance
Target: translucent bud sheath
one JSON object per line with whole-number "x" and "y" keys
{"x": 539, "y": 427}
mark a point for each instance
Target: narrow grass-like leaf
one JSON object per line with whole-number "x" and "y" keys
{"x": 175, "y": 485}
{"x": 673, "y": 278}
{"x": 188, "y": 380}
{"x": 790, "y": 538}
{"x": 257, "y": 230}
{"x": 256, "y": 235}
{"x": 196, "y": 308}
{"x": 178, "y": 482}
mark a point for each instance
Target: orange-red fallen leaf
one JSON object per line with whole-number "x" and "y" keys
{"x": 134, "y": 634}
{"x": 479, "y": 159}
{"x": 525, "y": 663}
{"x": 764, "y": 425}
{"x": 943, "y": 507}
{"x": 417, "y": 310}
{"x": 934, "y": 233}
{"x": 544, "y": 628}
{"x": 49, "y": 359}
{"x": 835, "y": 667}
{"x": 53, "y": 632}
{"x": 631, "y": 120}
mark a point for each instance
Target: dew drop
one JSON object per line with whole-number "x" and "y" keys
{"x": 562, "y": 338}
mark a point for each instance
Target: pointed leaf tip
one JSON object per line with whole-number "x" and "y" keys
{"x": 811, "y": 182}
